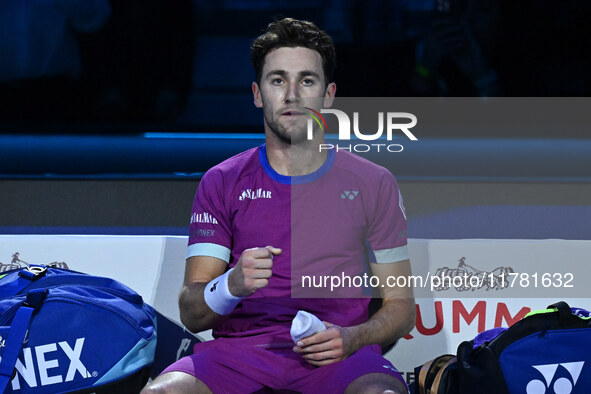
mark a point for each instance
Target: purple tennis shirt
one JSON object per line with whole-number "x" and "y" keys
{"x": 331, "y": 222}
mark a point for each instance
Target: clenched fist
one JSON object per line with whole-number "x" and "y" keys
{"x": 253, "y": 270}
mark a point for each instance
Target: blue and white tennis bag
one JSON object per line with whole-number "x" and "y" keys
{"x": 547, "y": 352}
{"x": 63, "y": 331}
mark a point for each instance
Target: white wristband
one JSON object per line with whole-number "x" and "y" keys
{"x": 218, "y": 297}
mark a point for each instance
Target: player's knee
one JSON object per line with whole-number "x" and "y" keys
{"x": 381, "y": 389}
{"x": 377, "y": 383}
{"x": 159, "y": 387}
{"x": 176, "y": 382}
{"x": 174, "y": 389}
{"x": 149, "y": 389}
{"x": 378, "y": 388}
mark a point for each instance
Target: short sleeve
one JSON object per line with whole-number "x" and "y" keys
{"x": 387, "y": 229}
{"x": 209, "y": 231}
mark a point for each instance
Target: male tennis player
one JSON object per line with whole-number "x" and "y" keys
{"x": 246, "y": 213}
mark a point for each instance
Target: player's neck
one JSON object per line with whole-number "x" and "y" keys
{"x": 294, "y": 160}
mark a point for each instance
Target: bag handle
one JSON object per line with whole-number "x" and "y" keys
{"x": 437, "y": 381}
{"x": 16, "y": 335}
{"x": 428, "y": 371}
{"x": 563, "y": 308}
{"x": 33, "y": 272}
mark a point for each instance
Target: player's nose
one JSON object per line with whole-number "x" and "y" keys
{"x": 291, "y": 93}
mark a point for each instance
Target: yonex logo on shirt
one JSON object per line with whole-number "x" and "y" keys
{"x": 214, "y": 286}
{"x": 204, "y": 233}
{"x": 254, "y": 194}
{"x": 350, "y": 194}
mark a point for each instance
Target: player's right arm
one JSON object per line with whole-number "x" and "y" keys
{"x": 203, "y": 273}
{"x": 199, "y": 271}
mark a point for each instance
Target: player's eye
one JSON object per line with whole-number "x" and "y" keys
{"x": 308, "y": 82}
{"x": 276, "y": 81}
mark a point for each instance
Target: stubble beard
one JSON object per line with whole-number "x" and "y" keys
{"x": 293, "y": 134}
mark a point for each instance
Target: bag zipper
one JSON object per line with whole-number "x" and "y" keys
{"x": 51, "y": 297}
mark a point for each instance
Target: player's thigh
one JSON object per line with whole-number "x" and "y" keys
{"x": 376, "y": 383}
{"x": 176, "y": 382}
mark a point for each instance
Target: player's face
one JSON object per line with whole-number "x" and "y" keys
{"x": 291, "y": 79}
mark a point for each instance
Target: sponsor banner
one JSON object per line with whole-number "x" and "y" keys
{"x": 504, "y": 268}
{"x": 154, "y": 267}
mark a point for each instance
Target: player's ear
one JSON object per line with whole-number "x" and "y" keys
{"x": 329, "y": 95}
{"x": 256, "y": 93}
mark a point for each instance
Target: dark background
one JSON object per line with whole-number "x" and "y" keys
{"x": 183, "y": 65}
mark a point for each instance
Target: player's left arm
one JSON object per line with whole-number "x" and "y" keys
{"x": 396, "y": 317}
{"x": 392, "y": 321}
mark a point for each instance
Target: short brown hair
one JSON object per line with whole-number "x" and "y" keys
{"x": 289, "y": 32}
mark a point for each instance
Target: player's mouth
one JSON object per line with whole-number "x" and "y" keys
{"x": 292, "y": 113}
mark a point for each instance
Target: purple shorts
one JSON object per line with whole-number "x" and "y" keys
{"x": 233, "y": 365}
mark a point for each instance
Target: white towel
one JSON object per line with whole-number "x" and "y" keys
{"x": 304, "y": 325}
